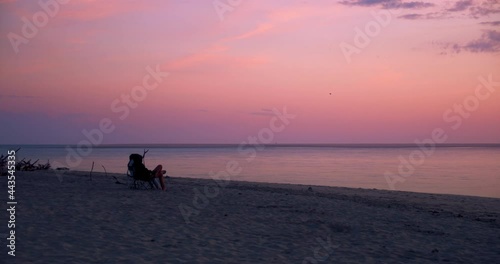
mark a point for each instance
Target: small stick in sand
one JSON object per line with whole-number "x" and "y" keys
{"x": 117, "y": 181}
{"x": 105, "y": 172}
{"x": 91, "y": 170}
{"x": 144, "y": 155}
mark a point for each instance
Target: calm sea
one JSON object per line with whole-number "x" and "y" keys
{"x": 453, "y": 169}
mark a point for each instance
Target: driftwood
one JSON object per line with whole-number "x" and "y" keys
{"x": 31, "y": 166}
{"x": 4, "y": 162}
{"x": 106, "y": 173}
{"x": 91, "y": 170}
{"x": 3, "y": 165}
{"x": 22, "y": 165}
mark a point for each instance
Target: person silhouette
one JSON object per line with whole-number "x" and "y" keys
{"x": 141, "y": 172}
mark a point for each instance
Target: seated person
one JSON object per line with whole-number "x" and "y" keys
{"x": 142, "y": 173}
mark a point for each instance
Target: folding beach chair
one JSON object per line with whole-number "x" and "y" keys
{"x": 138, "y": 176}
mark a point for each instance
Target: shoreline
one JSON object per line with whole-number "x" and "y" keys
{"x": 324, "y": 167}
{"x": 79, "y": 220}
{"x": 285, "y": 185}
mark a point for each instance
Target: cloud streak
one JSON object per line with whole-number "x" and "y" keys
{"x": 263, "y": 112}
{"x": 489, "y": 42}
{"x": 16, "y": 97}
{"x": 461, "y": 6}
{"x": 389, "y": 4}
{"x": 414, "y": 16}
{"x": 218, "y": 52}
{"x": 485, "y": 8}
{"x": 491, "y": 23}
{"x": 85, "y": 10}
{"x": 459, "y": 9}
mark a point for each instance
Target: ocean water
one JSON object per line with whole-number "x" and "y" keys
{"x": 459, "y": 169}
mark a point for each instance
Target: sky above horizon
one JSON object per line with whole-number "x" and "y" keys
{"x": 351, "y": 71}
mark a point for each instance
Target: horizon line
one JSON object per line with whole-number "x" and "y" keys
{"x": 195, "y": 145}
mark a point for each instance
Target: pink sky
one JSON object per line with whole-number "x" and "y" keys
{"x": 227, "y": 67}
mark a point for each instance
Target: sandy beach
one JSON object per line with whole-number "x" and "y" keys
{"x": 198, "y": 221}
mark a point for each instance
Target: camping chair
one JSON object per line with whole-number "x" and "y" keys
{"x": 137, "y": 181}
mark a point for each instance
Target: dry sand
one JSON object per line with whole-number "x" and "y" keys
{"x": 82, "y": 221}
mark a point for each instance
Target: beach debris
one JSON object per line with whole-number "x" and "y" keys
{"x": 31, "y": 166}
{"x": 117, "y": 181}
{"x": 22, "y": 165}
{"x": 3, "y": 165}
{"x": 105, "y": 172}
{"x": 91, "y": 171}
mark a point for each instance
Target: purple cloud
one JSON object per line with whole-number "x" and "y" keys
{"x": 491, "y": 23}
{"x": 388, "y": 4}
{"x": 489, "y": 42}
{"x": 468, "y": 8}
{"x": 486, "y": 8}
{"x": 461, "y": 5}
{"x": 414, "y": 16}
